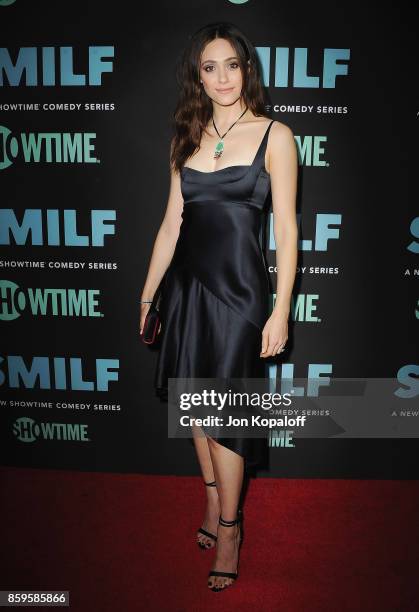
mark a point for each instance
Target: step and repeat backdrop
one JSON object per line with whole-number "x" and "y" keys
{"x": 87, "y": 93}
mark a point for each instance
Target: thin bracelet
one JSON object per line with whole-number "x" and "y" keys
{"x": 145, "y": 301}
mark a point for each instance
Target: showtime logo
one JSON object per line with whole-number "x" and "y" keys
{"x": 26, "y": 429}
{"x": 46, "y": 147}
{"x": 43, "y": 302}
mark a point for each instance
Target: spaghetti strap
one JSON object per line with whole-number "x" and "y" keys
{"x": 260, "y": 155}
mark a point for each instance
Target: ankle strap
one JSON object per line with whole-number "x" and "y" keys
{"x": 229, "y": 523}
{"x": 210, "y": 484}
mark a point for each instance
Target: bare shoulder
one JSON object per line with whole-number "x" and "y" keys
{"x": 280, "y": 145}
{"x": 280, "y": 135}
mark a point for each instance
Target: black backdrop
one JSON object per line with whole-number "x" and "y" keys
{"x": 356, "y": 139}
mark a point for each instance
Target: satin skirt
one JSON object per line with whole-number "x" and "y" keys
{"x": 214, "y": 306}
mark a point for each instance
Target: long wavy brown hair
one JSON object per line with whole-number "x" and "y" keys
{"x": 194, "y": 106}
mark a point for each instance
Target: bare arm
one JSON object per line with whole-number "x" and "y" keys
{"x": 283, "y": 166}
{"x": 164, "y": 244}
{"x": 283, "y": 169}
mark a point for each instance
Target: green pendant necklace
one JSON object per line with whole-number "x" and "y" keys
{"x": 219, "y": 148}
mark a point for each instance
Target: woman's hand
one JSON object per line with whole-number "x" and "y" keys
{"x": 274, "y": 334}
{"x": 144, "y": 310}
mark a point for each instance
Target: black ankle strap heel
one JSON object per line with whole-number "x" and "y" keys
{"x": 234, "y": 575}
{"x": 229, "y": 523}
{"x": 204, "y": 532}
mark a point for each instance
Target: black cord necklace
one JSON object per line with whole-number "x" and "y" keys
{"x": 219, "y": 148}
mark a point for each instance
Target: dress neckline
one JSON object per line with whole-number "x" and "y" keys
{"x": 237, "y": 165}
{"x": 219, "y": 169}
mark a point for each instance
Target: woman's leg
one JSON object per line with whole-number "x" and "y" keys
{"x": 228, "y": 469}
{"x": 212, "y": 512}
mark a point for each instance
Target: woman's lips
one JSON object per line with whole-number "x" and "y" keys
{"x": 225, "y": 90}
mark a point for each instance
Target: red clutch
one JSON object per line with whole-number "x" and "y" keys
{"x": 152, "y": 319}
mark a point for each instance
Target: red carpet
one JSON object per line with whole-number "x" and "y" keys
{"x": 122, "y": 542}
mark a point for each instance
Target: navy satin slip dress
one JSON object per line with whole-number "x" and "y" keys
{"x": 216, "y": 293}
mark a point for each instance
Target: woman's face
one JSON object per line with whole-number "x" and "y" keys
{"x": 220, "y": 70}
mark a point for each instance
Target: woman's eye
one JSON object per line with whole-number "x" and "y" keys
{"x": 233, "y": 64}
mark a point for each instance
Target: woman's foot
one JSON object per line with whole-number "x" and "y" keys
{"x": 212, "y": 514}
{"x": 227, "y": 557}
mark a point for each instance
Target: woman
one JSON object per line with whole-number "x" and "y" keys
{"x": 215, "y": 301}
